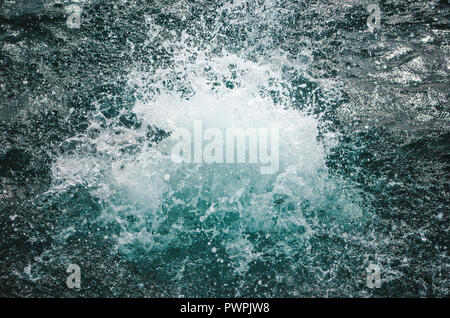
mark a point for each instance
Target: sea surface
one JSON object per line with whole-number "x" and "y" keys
{"x": 86, "y": 105}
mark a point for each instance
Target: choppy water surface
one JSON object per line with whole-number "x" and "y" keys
{"x": 364, "y": 150}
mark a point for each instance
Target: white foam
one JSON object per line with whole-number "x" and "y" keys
{"x": 141, "y": 183}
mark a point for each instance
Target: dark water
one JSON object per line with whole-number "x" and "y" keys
{"x": 364, "y": 168}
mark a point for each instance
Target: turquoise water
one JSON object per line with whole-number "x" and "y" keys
{"x": 87, "y": 178}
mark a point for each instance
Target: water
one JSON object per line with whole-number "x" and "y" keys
{"x": 86, "y": 175}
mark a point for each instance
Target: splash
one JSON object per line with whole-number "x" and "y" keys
{"x": 224, "y": 217}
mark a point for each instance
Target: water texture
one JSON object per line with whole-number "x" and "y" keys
{"x": 86, "y": 176}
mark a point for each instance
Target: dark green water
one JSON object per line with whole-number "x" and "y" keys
{"x": 364, "y": 157}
